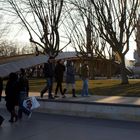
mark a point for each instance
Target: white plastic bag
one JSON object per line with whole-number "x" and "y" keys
{"x": 31, "y": 103}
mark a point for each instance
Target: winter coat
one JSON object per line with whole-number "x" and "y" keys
{"x": 23, "y": 84}
{"x": 48, "y": 70}
{"x": 11, "y": 92}
{"x": 70, "y": 74}
{"x": 85, "y": 71}
{"x": 59, "y": 72}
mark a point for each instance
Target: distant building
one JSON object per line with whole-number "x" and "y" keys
{"x": 34, "y": 64}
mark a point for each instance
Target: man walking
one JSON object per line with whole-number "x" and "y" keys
{"x": 49, "y": 75}
{"x": 23, "y": 87}
{"x": 70, "y": 77}
{"x": 85, "y": 77}
{"x": 59, "y": 73}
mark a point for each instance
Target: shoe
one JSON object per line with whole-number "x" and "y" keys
{"x": 51, "y": 98}
{"x": 41, "y": 94}
{"x": 11, "y": 120}
{"x": 63, "y": 96}
{"x": 83, "y": 96}
{"x": 56, "y": 96}
{"x": 30, "y": 114}
{"x": 74, "y": 96}
{"x": 87, "y": 95}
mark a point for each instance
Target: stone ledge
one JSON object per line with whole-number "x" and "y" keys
{"x": 95, "y": 110}
{"x": 90, "y": 103}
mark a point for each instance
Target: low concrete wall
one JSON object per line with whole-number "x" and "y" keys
{"x": 95, "y": 110}
{"x": 88, "y": 109}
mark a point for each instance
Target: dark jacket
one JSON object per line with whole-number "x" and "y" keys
{"x": 70, "y": 74}
{"x": 59, "y": 72}
{"x": 23, "y": 84}
{"x": 23, "y": 87}
{"x": 85, "y": 71}
{"x": 11, "y": 90}
{"x": 48, "y": 70}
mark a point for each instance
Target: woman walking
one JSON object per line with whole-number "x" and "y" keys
{"x": 85, "y": 78}
{"x": 11, "y": 98}
{"x": 59, "y": 73}
{"x": 23, "y": 87}
{"x": 70, "y": 77}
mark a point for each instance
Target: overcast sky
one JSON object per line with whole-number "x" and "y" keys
{"x": 19, "y": 34}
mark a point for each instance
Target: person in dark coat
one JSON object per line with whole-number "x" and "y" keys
{"x": 59, "y": 73}
{"x": 70, "y": 77}
{"x": 11, "y": 92}
{"x": 49, "y": 75}
{"x": 1, "y": 87}
{"x": 23, "y": 88}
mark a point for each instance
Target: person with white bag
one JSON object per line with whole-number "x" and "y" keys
{"x": 31, "y": 103}
{"x": 23, "y": 86}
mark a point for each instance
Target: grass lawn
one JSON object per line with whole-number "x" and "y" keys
{"x": 97, "y": 87}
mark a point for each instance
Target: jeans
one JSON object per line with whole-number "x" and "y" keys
{"x": 22, "y": 97}
{"x": 59, "y": 86}
{"x": 49, "y": 85}
{"x": 85, "y": 88}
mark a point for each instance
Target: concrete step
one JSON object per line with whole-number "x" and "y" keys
{"x": 88, "y": 108}
{"x": 107, "y": 107}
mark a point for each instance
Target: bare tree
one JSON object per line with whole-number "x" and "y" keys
{"x": 8, "y": 48}
{"x": 4, "y": 27}
{"x": 84, "y": 37}
{"x": 41, "y": 18}
{"x": 28, "y": 49}
{"x": 115, "y": 22}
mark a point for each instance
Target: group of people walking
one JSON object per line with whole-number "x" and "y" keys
{"x": 52, "y": 71}
{"x": 17, "y": 86}
{"x": 16, "y": 91}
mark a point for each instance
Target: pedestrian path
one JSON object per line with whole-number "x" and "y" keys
{"x": 107, "y": 107}
{"x": 52, "y": 127}
{"x": 122, "y": 100}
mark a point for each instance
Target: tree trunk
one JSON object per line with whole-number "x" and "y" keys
{"x": 109, "y": 70}
{"x": 123, "y": 71}
{"x": 91, "y": 68}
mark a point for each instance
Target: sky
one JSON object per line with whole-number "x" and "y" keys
{"x": 130, "y": 54}
{"x": 23, "y": 37}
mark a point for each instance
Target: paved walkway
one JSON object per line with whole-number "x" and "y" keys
{"x": 97, "y": 99}
{"x": 43, "y": 126}
{"x": 58, "y": 127}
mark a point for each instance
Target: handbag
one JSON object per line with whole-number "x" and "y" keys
{"x": 31, "y": 103}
